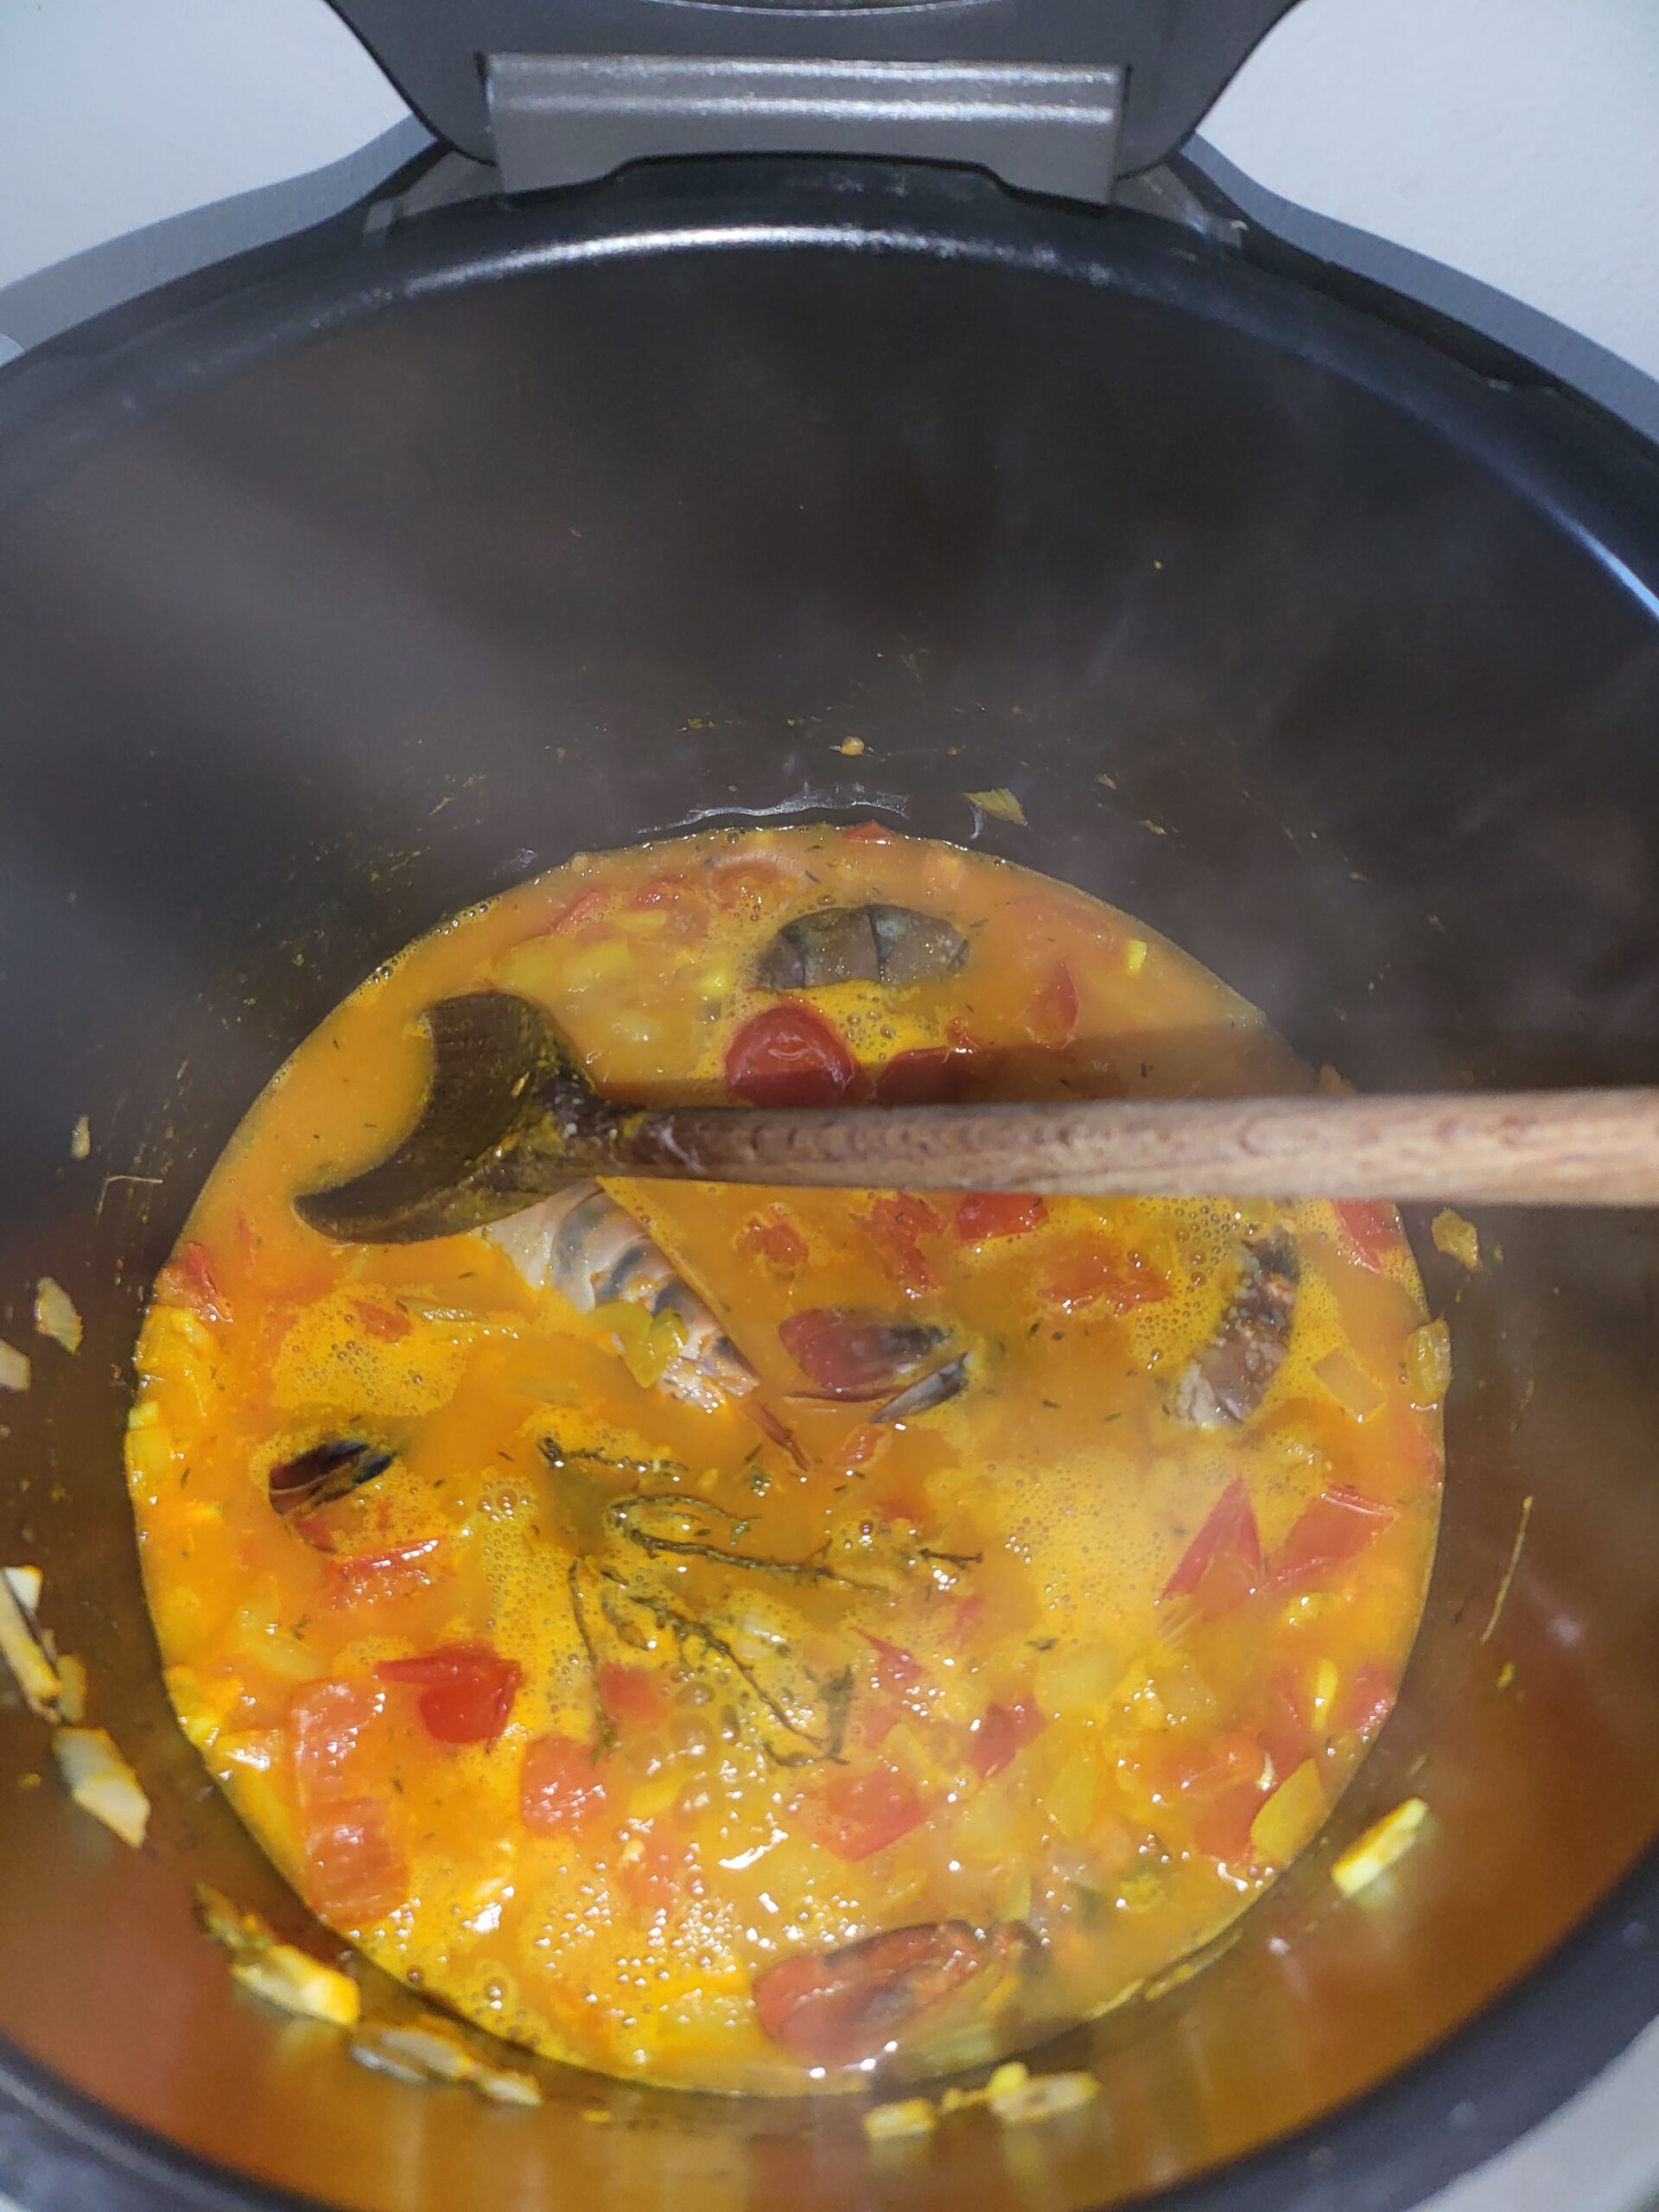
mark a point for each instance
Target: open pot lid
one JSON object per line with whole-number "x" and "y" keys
{"x": 1062, "y": 97}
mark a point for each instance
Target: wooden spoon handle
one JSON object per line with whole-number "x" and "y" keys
{"x": 1561, "y": 1147}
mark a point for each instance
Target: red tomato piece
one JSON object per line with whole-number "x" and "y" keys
{"x": 561, "y": 1790}
{"x": 187, "y": 1280}
{"x": 326, "y": 1726}
{"x": 587, "y": 907}
{"x": 896, "y": 1680}
{"x": 384, "y": 1323}
{"x": 1003, "y": 1730}
{"x": 985, "y": 1214}
{"x": 895, "y": 1226}
{"x": 661, "y": 1872}
{"x": 1222, "y": 1785}
{"x": 775, "y": 1239}
{"x": 931, "y": 1075}
{"x": 789, "y": 1056}
{"x": 1334, "y": 1529}
{"x": 1222, "y": 1566}
{"x": 630, "y": 1696}
{"x": 466, "y": 1690}
{"x": 1369, "y": 1228}
{"x": 865, "y": 1813}
{"x": 1285, "y": 1732}
{"x": 1052, "y": 1017}
{"x": 868, "y": 833}
{"x": 1103, "y": 1275}
{"x": 376, "y": 1575}
{"x": 353, "y": 1871}
{"x": 834, "y": 2008}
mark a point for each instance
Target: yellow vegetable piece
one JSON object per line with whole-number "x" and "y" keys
{"x": 1001, "y": 802}
{"x": 56, "y": 1315}
{"x": 1379, "y": 1847}
{"x": 907, "y": 2116}
{"x": 21, "y": 1649}
{"x": 1042, "y": 2096}
{"x": 72, "y": 1688}
{"x": 1290, "y": 1816}
{"x": 1428, "y": 1362}
{"x": 1324, "y": 1687}
{"x": 287, "y": 1978}
{"x": 14, "y": 1368}
{"x": 101, "y": 1782}
{"x": 1458, "y": 1239}
{"x": 1135, "y": 955}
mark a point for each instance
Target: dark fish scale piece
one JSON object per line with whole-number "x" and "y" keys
{"x": 1228, "y": 1380}
{"x": 875, "y": 944}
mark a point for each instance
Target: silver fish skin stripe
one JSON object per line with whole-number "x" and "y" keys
{"x": 592, "y": 1251}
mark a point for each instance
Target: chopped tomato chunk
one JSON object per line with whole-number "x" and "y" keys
{"x": 187, "y": 1280}
{"x": 929, "y": 1075}
{"x": 466, "y": 1690}
{"x": 1335, "y": 1529}
{"x": 868, "y": 833}
{"x": 984, "y": 1214}
{"x": 561, "y": 1790}
{"x": 588, "y": 906}
{"x": 864, "y": 1813}
{"x": 789, "y": 1056}
{"x": 1052, "y": 1017}
{"x": 895, "y": 1225}
{"x": 326, "y": 1723}
{"x": 385, "y": 1323}
{"x": 630, "y": 1696}
{"x": 772, "y": 1236}
{"x": 1104, "y": 1274}
{"x": 1003, "y": 1730}
{"x": 1222, "y": 1566}
{"x": 1223, "y": 1785}
{"x": 392, "y": 1573}
{"x": 1369, "y": 1229}
{"x": 353, "y": 1871}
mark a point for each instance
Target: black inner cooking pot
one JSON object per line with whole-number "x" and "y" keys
{"x": 349, "y": 585}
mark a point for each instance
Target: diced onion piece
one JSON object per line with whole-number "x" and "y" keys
{"x": 14, "y": 1368}
{"x": 1379, "y": 1847}
{"x": 1356, "y": 1390}
{"x": 379, "y": 2062}
{"x": 101, "y": 1782}
{"x": 1428, "y": 1362}
{"x": 1001, "y": 802}
{"x": 441, "y": 2057}
{"x": 72, "y": 1688}
{"x": 1458, "y": 1239}
{"x": 505, "y": 2085}
{"x": 56, "y": 1315}
{"x": 291, "y": 1979}
{"x": 1290, "y": 1816}
{"x": 21, "y": 1649}
{"x": 906, "y": 2116}
{"x": 25, "y": 1584}
{"x": 1135, "y": 955}
{"x": 1040, "y": 2096}
{"x": 80, "y": 1140}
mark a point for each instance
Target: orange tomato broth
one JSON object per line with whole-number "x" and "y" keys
{"x": 1082, "y": 1678}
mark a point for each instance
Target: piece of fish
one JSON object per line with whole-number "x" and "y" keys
{"x": 582, "y": 1244}
{"x": 1225, "y": 1384}
{"x": 324, "y": 1474}
{"x": 860, "y": 944}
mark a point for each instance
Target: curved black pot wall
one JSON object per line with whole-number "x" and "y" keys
{"x": 362, "y": 591}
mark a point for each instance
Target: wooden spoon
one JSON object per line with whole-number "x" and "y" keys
{"x": 510, "y": 1117}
